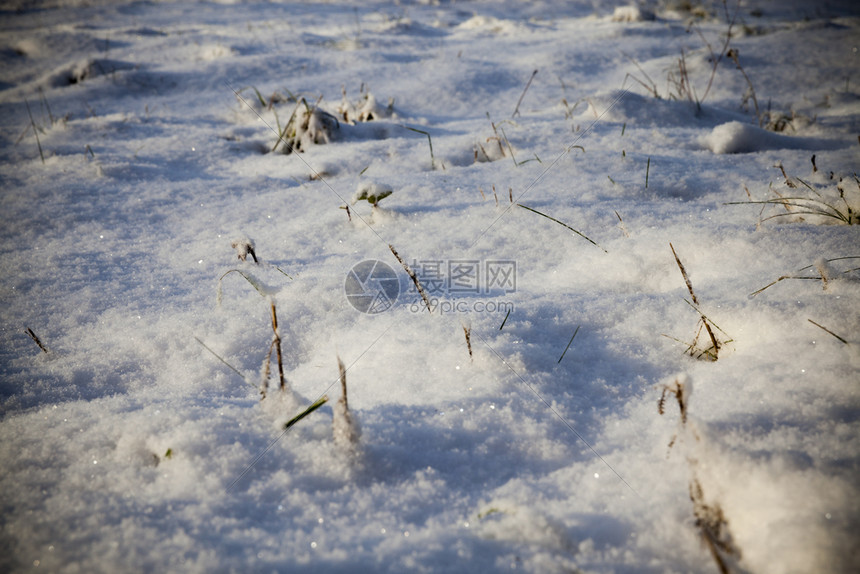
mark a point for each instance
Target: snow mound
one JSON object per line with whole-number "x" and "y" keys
{"x": 372, "y": 192}
{"x": 630, "y": 107}
{"x": 489, "y": 24}
{"x": 631, "y": 14}
{"x": 737, "y": 137}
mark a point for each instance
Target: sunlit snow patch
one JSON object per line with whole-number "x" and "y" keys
{"x": 737, "y": 137}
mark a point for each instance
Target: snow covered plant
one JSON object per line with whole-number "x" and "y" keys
{"x": 244, "y": 247}
{"x": 262, "y": 102}
{"x": 308, "y": 125}
{"x": 710, "y": 520}
{"x": 821, "y": 269}
{"x": 371, "y": 192}
{"x": 261, "y": 288}
{"x": 680, "y": 85}
{"x": 345, "y": 431}
{"x": 709, "y": 352}
{"x": 495, "y": 147}
{"x": 680, "y": 80}
{"x": 823, "y": 199}
{"x": 274, "y": 347}
{"x": 366, "y": 109}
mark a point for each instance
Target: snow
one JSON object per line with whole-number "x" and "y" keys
{"x": 737, "y": 137}
{"x": 138, "y": 440}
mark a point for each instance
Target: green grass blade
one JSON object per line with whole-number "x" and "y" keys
{"x": 319, "y": 402}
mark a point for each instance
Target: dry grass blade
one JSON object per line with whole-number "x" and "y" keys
{"x": 413, "y": 277}
{"x": 255, "y": 283}
{"x": 35, "y": 131}
{"x": 277, "y": 344}
{"x": 650, "y": 87}
{"x": 684, "y": 274}
{"x": 802, "y": 206}
{"x": 217, "y": 356}
{"x": 772, "y": 283}
{"x": 341, "y": 369}
{"x": 817, "y": 278}
{"x": 690, "y": 346}
{"x": 647, "y": 172}
{"x": 505, "y": 320}
{"x": 679, "y": 390}
{"x": 282, "y": 133}
{"x": 705, "y": 321}
{"x": 510, "y": 148}
{"x": 468, "y": 332}
{"x": 827, "y": 331}
{"x": 36, "y": 339}
{"x": 569, "y": 343}
{"x": 621, "y": 223}
{"x": 529, "y": 83}
{"x": 47, "y": 107}
{"x": 429, "y": 141}
{"x": 345, "y": 432}
{"x": 717, "y": 58}
{"x": 713, "y": 528}
{"x": 562, "y": 224}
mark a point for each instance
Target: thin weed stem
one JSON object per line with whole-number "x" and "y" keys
{"x": 429, "y": 141}
{"x": 505, "y": 320}
{"x": 562, "y": 224}
{"x": 529, "y": 83}
{"x": 705, "y": 321}
{"x": 569, "y": 343}
{"x": 220, "y": 358}
{"x": 468, "y": 332}
{"x": 647, "y": 171}
{"x": 827, "y": 331}
{"x": 35, "y": 131}
{"x": 277, "y": 344}
{"x": 413, "y": 277}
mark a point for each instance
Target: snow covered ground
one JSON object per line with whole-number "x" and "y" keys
{"x": 536, "y": 210}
